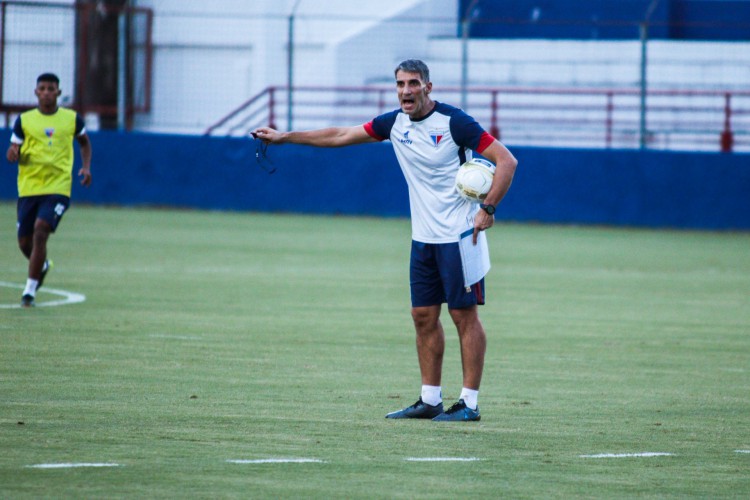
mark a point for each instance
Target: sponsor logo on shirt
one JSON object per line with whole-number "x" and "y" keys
{"x": 406, "y": 139}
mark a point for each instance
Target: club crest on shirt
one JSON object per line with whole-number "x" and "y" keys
{"x": 49, "y": 132}
{"x": 437, "y": 136}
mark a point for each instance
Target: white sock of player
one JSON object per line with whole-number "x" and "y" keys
{"x": 30, "y": 287}
{"x": 470, "y": 397}
{"x": 432, "y": 395}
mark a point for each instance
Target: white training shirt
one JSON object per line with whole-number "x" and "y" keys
{"x": 429, "y": 151}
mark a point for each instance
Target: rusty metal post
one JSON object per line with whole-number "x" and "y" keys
{"x": 727, "y": 137}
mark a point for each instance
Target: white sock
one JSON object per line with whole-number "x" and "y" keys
{"x": 432, "y": 395}
{"x": 470, "y": 397}
{"x": 30, "y": 287}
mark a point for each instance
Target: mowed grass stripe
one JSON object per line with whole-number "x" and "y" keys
{"x": 208, "y": 335}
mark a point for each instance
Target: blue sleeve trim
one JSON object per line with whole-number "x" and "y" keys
{"x": 18, "y": 129}
{"x": 80, "y": 124}
{"x": 465, "y": 130}
{"x": 383, "y": 124}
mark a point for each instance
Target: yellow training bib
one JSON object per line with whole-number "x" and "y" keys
{"x": 45, "y": 165}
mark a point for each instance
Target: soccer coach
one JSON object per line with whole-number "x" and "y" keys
{"x": 431, "y": 140}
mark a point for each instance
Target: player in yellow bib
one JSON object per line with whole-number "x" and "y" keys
{"x": 42, "y": 144}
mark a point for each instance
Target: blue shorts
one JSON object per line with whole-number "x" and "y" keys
{"x": 436, "y": 276}
{"x": 48, "y": 207}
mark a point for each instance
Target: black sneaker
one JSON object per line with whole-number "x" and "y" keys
{"x": 419, "y": 409}
{"x": 47, "y": 266}
{"x": 27, "y": 301}
{"x": 459, "y": 412}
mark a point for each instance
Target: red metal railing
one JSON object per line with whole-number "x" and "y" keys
{"x": 579, "y": 117}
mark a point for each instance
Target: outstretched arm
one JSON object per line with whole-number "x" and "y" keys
{"x": 333, "y": 137}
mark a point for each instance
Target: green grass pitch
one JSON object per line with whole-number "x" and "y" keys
{"x": 207, "y": 337}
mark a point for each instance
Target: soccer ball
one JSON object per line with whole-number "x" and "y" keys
{"x": 474, "y": 179}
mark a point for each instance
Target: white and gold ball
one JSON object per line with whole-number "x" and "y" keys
{"x": 474, "y": 179}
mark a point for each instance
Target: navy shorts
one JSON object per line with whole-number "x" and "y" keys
{"x": 436, "y": 276}
{"x": 48, "y": 207}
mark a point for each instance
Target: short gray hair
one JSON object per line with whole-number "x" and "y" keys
{"x": 414, "y": 66}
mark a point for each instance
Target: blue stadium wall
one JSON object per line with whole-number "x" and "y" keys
{"x": 727, "y": 20}
{"x": 568, "y": 186}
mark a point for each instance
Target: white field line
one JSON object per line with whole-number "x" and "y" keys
{"x": 173, "y": 337}
{"x": 70, "y": 465}
{"x": 742, "y": 451}
{"x": 627, "y": 455}
{"x": 279, "y": 461}
{"x": 442, "y": 459}
{"x": 68, "y": 297}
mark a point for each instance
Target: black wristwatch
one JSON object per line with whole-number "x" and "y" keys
{"x": 490, "y": 209}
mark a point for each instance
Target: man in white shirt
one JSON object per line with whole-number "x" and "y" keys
{"x": 431, "y": 141}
